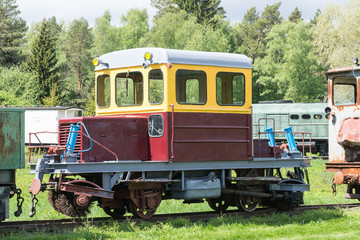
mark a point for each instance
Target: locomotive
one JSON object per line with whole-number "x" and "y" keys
{"x": 169, "y": 124}
{"x": 11, "y": 157}
{"x": 307, "y": 117}
{"x": 344, "y": 123}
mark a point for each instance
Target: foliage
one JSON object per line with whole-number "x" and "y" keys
{"x": 16, "y": 86}
{"x": 207, "y": 12}
{"x": 250, "y": 37}
{"x": 295, "y": 16}
{"x": 107, "y": 37}
{"x": 43, "y": 60}
{"x": 179, "y": 31}
{"x": 337, "y": 34}
{"x": 12, "y": 32}
{"x": 135, "y": 26}
{"x": 290, "y": 69}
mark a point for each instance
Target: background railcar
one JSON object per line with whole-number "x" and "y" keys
{"x": 11, "y": 155}
{"x": 169, "y": 124}
{"x": 344, "y": 128}
{"x": 43, "y": 123}
{"x": 303, "y": 117}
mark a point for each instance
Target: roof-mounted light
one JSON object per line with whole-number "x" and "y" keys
{"x": 148, "y": 56}
{"x": 356, "y": 61}
{"x": 96, "y": 62}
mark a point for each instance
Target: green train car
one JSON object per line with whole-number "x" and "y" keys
{"x": 302, "y": 117}
{"x": 12, "y": 155}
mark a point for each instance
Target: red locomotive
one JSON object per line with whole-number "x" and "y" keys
{"x": 169, "y": 124}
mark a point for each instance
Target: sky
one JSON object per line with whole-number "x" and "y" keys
{"x": 68, "y": 10}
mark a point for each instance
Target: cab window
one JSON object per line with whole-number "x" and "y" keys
{"x": 191, "y": 87}
{"x": 103, "y": 91}
{"x": 344, "y": 91}
{"x": 156, "y": 86}
{"x": 129, "y": 89}
{"x": 230, "y": 89}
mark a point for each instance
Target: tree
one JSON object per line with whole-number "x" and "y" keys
{"x": 16, "y": 86}
{"x": 250, "y": 37}
{"x": 107, "y": 37}
{"x": 12, "y": 32}
{"x": 290, "y": 69}
{"x": 77, "y": 47}
{"x": 135, "y": 26}
{"x": 179, "y": 31}
{"x": 43, "y": 60}
{"x": 295, "y": 16}
{"x": 337, "y": 34}
{"x": 206, "y": 11}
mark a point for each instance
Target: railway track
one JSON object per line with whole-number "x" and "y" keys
{"x": 51, "y": 225}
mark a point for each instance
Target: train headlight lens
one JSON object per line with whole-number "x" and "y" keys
{"x": 95, "y": 62}
{"x": 148, "y": 56}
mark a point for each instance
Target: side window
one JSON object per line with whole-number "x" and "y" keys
{"x": 294, "y": 117}
{"x": 103, "y": 91}
{"x": 344, "y": 91}
{"x": 230, "y": 89}
{"x": 191, "y": 87}
{"x": 129, "y": 89}
{"x": 156, "y": 86}
{"x": 306, "y": 116}
{"x": 317, "y": 116}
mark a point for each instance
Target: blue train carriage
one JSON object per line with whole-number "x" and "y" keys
{"x": 303, "y": 117}
{"x": 169, "y": 124}
{"x": 344, "y": 124}
{"x": 11, "y": 156}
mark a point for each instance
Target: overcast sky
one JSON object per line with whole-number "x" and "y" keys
{"x": 68, "y": 10}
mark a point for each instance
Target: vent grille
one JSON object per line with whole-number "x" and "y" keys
{"x": 64, "y": 129}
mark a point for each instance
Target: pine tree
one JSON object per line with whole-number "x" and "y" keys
{"x": 79, "y": 40}
{"x": 42, "y": 61}
{"x": 207, "y": 12}
{"x": 295, "y": 16}
{"x": 12, "y": 32}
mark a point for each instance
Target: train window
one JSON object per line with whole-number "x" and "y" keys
{"x": 294, "y": 116}
{"x": 230, "y": 89}
{"x": 317, "y": 116}
{"x": 103, "y": 91}
{"x": 129, "y": 89}
{"x": 156, "y": 86}
{"x": 190, "y": 87}
{"x": 306, "y": 116}
{"x": 344, "y": 91}
{"x": 156, "y": 125}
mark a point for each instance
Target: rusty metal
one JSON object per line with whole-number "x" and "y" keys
{"x": 338, "y": 178}
{"x": 82, "y": 200}
{"x": 35, "y": 186}
{"x": 92, "y": 190}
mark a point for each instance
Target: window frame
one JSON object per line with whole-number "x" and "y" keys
{"x": 176, "y": 87}
{"x": 116, "y": 89}
{"x": 216, "y": 93}
{"x": 163, "y": 87}
{"x": 97, "y": 90}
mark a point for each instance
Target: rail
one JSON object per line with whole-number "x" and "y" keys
{"x": 62, "y": 146}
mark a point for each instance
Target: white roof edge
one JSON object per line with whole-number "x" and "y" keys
{"x": 135, "y": 57}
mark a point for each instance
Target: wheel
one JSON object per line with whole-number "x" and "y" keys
{"x": 247, "y": 204}
{"x": 65, "y": 204}
{"x": 218, "y": 204}
{"x": 116, "y": 213}
{"x": 141, "y": 213}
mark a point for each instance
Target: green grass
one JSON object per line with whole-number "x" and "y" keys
{"x": 317, "y": 224}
